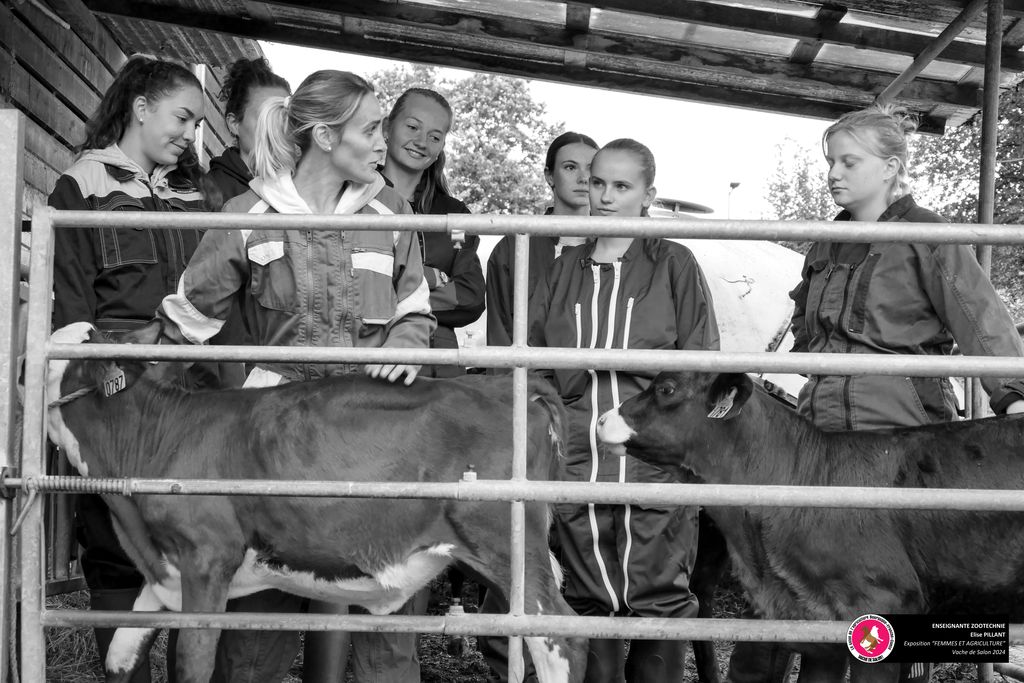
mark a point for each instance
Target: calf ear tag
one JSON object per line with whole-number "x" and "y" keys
{"x": 724, "y": 405}
{"x": 113, "y": 382}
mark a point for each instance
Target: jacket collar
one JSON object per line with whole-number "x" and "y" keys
{"x": 123, "y": 168}
{"x": 231, "y": 163}
{"x": 897, "y": 210}
{"x": 279, "y": 191}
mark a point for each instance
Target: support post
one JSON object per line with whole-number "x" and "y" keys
{"x": 12, "y": 145}
{"x": 989, "y": 142}
{"x": 517, "y": 594}
{"x": 33, "y": 644}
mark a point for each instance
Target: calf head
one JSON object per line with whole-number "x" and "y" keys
{"x": 68, "y": 380}
{"x": 672, "y": 423}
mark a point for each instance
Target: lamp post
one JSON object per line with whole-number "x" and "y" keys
{"x": 728, "y": 202}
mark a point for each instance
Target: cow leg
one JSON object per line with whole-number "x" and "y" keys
{"x": 823, "y": 664}
{"x": 129, "y": 646}
{"x": 556, "y": 659}
{"x": 202, "y": 591}
{"x": 708, "y": 571}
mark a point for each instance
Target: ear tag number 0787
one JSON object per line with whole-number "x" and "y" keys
{"x": 724, "y": 405}
{"x": 113, "y": 382}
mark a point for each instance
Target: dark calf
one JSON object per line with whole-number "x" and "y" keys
{"x": 837, "y": 564}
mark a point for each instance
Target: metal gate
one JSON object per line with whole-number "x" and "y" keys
{"x": 32, "y": 480}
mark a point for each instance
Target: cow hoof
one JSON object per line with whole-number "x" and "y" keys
{"x": 457, "y": 646}
{"x": 118, "y": 676}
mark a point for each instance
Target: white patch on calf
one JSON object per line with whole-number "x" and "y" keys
{"x": 556, "y": 570}
{"x": 612, "y": 429}
{"x": 549, "y": 660}
{"x": 413, "y": 574}
{"x": 75, "y": 333}
{"x": 127, "y": 643}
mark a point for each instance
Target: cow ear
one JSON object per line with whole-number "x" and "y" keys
{"x": 727, "y": 395}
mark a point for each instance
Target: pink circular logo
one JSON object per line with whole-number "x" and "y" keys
{"x": 870, "y": 638}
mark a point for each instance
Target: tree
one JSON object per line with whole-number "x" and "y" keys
{"x": 798, "y": 189}
{"x": 495, "y": 151}
{"x": 947, "y": 181}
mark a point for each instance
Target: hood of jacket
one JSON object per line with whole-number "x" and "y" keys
{"x": 280, "y": 193}
{"x": 231, "y": 164}
{"x": 116, "y": 160}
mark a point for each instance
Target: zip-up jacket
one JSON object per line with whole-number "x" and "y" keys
{"x": 890, "y": 298}
{"x": 654, "y": 297}
{"x": 307, "y": 288}
{"x": 454, "y": 276}
{"x": 229, "y": 177}
{"x": 115, "y": 278}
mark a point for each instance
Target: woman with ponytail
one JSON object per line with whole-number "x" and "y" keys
{"x": 890, "y": 298}
{"x": 137, "y": 156}
{"x": 415, "y": 132}
{"x": 316, "y": 152}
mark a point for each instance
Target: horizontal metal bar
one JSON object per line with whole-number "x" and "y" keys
{"x": 605, "y": 493}
{"x": 558, "y": 358}
{"x": 592, "y": 226}
{"x": 483, "y": 624}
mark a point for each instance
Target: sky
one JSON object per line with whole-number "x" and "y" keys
{"x": 700, "y": 149}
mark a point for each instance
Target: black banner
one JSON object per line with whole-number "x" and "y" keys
{"x": 930, "y": 638}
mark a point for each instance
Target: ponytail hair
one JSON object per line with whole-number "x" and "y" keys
{"x": 433, "y": 181}
{"x": 643, "y": 156}
{"x": 143, "y": 76}
{"x": 243, "y": 77}
{"x": 882, "y": 130}
{"x": 285, "y": 124}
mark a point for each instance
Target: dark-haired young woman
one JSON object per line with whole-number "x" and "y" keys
{"x": 567, "y": 172}
{"x": 248, "y": 85}
{"x": 137, "y": 156}
{"x": 415, "y": 132}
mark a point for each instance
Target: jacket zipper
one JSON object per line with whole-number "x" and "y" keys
{"x": 309, "y": 299}
{"x": 847, "y": 384}
{"x": 591, "y": 512}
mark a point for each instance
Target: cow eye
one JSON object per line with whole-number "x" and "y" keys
{"x": 666, "y": 389}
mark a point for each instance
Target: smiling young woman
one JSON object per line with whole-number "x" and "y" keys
{"x": 416, "y": 130}
{"x": 137, "y": 156}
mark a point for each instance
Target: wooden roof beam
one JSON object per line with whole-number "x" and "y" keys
{"x": 552, "y": 44}
{"x": 806, "y": 50}
{"x": 803, "y": 28}
{"x": 632, "y": 74}
{"x": 948, "y": 35}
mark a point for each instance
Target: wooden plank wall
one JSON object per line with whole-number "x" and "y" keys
{"x": 56, "y": 77}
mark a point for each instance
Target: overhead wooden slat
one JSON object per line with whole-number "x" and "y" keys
{"x": 806, "y": 50}
{"x": 690, "y": 74}
{"x": 761, "y": 22}
{"x": 479, "y": 44}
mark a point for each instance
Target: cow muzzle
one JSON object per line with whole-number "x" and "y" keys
{"x": 613, "y": 431}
